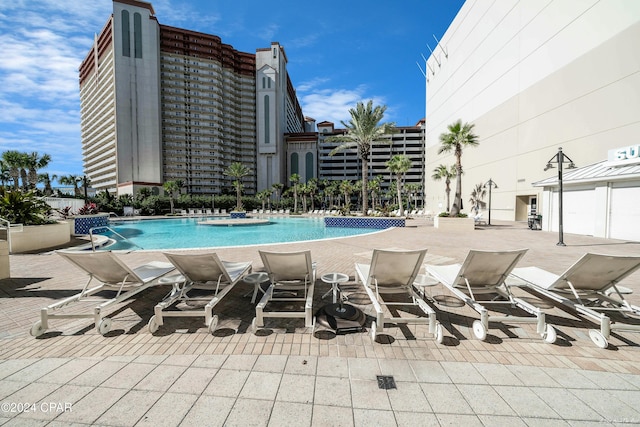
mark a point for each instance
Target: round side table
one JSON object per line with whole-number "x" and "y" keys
{"x": 256, "y": 279}
{"x": 334, "y": 279}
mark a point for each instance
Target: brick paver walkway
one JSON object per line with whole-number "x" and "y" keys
{"x": 287, "y": 376}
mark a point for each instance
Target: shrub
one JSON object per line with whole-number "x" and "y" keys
{"x": 88, "y": 209}
{"x": 446, "y": 215}
{"x": 23, "y": 208}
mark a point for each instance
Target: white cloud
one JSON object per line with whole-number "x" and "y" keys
{"x": 333, "y": 104}
{"x": 42, "y": 45}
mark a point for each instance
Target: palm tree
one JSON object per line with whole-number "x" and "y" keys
{"x": 332, "y": 190}
{"x": 71, "y": 180}
{"x": 304, "y": 192}
{"x": 312, "y": 186}
{"x": 374, "y": 187}
{"x": 263, "y": 196}
{"x": 398, "y": 165}
{"x": 412, "y": 189}
{"x": 46, "y": 179}
{"x": 446, "y": 173}
{"x": 459, "y": 136}
{"x": 346, "y": 188}
{"x": 5, "y": 173}
{"x": 13, "y": 160}
{"x": 238, "y": 171}
{"x": 294, "y": 180}
{"x": 171, "y": 187}
{"x": 34, "y": 162}
{"x": 363, "y": 130}
{"x": 477, "y": 197}
{"x": 278, "y": 186}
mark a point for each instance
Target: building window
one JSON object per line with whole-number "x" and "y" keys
{"x": 309, "y": 169}
{"x": 266, "y": 120}
{"x": 137, "y": 34}
{"x": 126, "y": 38}
{"x": 294, "y": 163}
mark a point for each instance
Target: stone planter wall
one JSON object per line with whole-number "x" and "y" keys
{"x": 363, "y": 222}
{"x": 5, "y": 267}
{"x": 36, "y": 237}
{"x": 83, "y": 223}
{"x": 453, "y": 224}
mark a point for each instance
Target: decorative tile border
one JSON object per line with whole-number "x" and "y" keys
{"x": 83, "y": 223}
{"x": 238, "y": 214}
{"x": 363, "y": 222}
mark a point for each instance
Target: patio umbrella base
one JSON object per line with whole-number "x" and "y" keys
{"x": 341, "y": 318}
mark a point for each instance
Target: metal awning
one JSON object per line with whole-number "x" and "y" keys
{"x": 597, "y": 172}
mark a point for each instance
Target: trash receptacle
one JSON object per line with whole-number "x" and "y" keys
{"x": 535, "y": 222}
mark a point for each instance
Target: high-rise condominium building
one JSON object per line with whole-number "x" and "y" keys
{"x": 346, "y": 165}
{"x": 160, "y": 103}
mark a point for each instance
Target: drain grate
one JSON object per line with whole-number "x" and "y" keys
{"x": 386, "y": 382}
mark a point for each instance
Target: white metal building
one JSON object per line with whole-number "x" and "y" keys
{"x": 602, "y": 199}
{"x": 533, "y": 75}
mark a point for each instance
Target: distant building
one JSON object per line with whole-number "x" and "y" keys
{"x": 309, "y": 155}
{"x": 160, "y": 103}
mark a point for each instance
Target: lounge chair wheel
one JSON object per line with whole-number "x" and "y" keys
{"x": 598, "y": 338}
{"x": 439, "y": 333}
{"x": 37, "y": 329}
{"x": 213, "y": 324}
{"x": 104, "y": 326}
{"x": 153, "y": 325}
{"x": 374, "y": 330}
{"x": 549, "y": 335}
{"x": 479, "y": 330}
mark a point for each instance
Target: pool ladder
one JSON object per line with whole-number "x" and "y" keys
{"x": 104, "y": 227}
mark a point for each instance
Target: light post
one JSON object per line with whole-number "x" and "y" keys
{"x": 560, "y": 158}
{"x": 490, "y": 183}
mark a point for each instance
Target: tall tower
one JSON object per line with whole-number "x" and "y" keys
{"x": 120, "y": 101}
{"x": 277, "y": 112}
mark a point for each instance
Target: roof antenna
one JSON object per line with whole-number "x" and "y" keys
{"x": 446, "y": 55}
{"x": 429, "y": 47}
{"x": 427, "y": 64}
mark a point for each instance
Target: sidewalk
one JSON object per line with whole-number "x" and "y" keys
{"x": 287, "y": 376}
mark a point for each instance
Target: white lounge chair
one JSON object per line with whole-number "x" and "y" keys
{"x": 114, "y": 276}
{"x": 199, "y": 272}
{"x": 128, "y": 210}
{"x": 590, "y": 287}
{"x": 394, "y": 272}
{"x": 485, "y": 272}
{"x": 293, "y": 277}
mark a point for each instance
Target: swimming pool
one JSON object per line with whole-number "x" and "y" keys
{"x": 184, "y": 233}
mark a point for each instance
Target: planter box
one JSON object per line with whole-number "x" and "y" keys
{"x": 5, "y": 268}
{"x": 238, "y": 214}
{"x": 83, "y": 223}
{"x": 36, "y": 237}
{"x": 363, "y": 222}
{"x": 454, "y": 224}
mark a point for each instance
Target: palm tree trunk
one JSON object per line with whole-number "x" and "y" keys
{"x": 457, "y": 198}
{"x": 365, "y": 167}
{"x": 401, "y": 210}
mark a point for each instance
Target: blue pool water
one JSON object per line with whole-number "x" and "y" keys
{"x": 182, "y": 233}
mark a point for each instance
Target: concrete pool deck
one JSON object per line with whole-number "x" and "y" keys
{"x": 286, "y": 376}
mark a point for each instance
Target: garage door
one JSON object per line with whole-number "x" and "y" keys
{"x": 579, "y": 211}
{"x": 624, "y": 219}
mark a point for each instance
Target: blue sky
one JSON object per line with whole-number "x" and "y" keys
{"x": 340, "y": 52}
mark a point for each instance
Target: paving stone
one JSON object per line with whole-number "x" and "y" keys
{"x": 296, "y": 388}
{"x": 290, "y": 414}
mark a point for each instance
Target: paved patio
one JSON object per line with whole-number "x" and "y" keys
{"x": 286, "y": 376}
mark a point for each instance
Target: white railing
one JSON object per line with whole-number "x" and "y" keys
{"x": 61, "y": 203}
